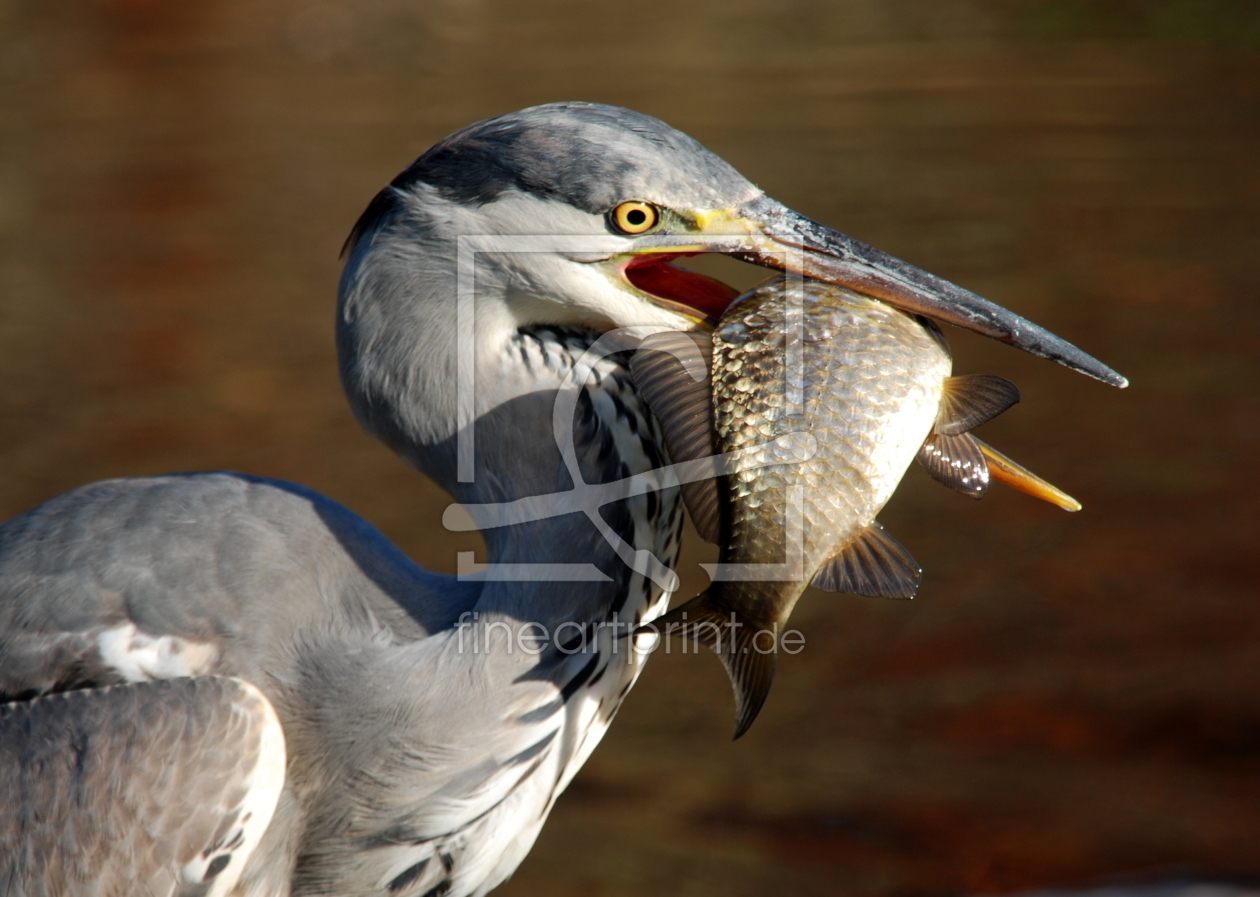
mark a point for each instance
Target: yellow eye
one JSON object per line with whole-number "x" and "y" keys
{"x": 635, "y": 217}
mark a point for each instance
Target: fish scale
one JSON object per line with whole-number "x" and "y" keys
{"x": 871, "y": 388}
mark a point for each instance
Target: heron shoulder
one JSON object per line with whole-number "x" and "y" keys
{"x": 183, "y": 574}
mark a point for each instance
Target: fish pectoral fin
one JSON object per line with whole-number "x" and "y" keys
{"x": 969, "y": 400}
{"x": 749, "y": 653}
{"x": 664, "y": 370}
{"x": 1004, "y": 470}
{"x": 701, "y": 499}
{"x": 873, "y": 564}
{"x": 957, "y": 462}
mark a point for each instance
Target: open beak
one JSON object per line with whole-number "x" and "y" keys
{"x": 768, "y": 233}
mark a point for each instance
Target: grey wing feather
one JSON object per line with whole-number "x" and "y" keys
{"x": 159, "y": 788}
{"x": 219, "y": 565}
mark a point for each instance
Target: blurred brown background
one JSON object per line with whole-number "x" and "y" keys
{"x": 1071, "y": 697}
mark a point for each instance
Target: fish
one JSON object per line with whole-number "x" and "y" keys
{"x": 816, "y": 399}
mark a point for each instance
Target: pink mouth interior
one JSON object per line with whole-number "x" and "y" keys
{"x": 654, "y": 274}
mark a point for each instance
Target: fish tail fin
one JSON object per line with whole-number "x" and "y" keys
{"x": 748, "y": 652}
{"x": 751, "y": 667}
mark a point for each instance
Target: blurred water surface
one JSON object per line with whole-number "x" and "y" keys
{"x": 1071, "y": 697}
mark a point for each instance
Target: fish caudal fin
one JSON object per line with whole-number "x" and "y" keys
{"x": 873, "y": 564}
{"x": 671, "y": 372}
{"x": 1004, "y": 470}
{"x": 749, "y": 653}
{"x": 969, "y": 400}
{"x": 957, "y": 462}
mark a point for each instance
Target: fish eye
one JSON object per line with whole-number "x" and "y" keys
{"x": 635, "y": 217}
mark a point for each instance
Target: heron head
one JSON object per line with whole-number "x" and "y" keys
{"x": 575, "y": 213}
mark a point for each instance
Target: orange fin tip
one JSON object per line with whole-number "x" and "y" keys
{"x": 1004, "y": 470}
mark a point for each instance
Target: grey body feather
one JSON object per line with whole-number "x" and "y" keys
{"x": 415, "y": 765}
{"x": 152, "y": 788}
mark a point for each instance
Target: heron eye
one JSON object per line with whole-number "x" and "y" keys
{"x": 635, "y": 217}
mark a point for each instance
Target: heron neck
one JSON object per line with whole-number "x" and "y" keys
{"x": 399, "y": 344}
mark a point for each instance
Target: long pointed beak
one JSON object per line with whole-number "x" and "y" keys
{"x": 768, "y": 233}
{"x": 809, "y": 248}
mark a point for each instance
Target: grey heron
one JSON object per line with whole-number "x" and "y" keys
{"x": 226, "y": 684}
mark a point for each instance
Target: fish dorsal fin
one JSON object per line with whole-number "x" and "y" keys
{"x": 748, "y": 652}
{"x": 665, "y": 369}
{"x": 957, "y": 462}
{"x": 873, "y": 564}
{"x": 969, "y": 400}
